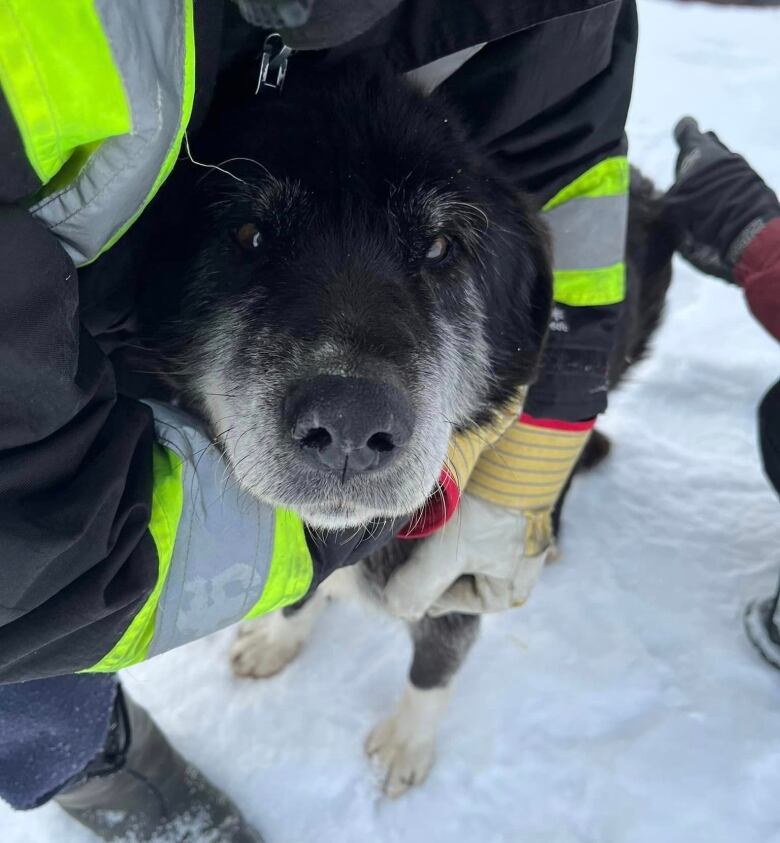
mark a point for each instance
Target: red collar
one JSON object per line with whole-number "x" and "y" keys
{"x": 436, "y": 511}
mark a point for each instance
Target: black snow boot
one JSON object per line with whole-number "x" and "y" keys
{"x": 761, "y": 624}
{"x": 140, "y": 790}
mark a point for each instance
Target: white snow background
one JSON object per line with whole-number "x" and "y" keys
{"x": 623, "y": 704}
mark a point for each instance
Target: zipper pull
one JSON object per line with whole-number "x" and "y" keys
{"x": 273, "y": 64}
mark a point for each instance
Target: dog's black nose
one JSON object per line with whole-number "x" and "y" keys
{"x": 351, "y": 425}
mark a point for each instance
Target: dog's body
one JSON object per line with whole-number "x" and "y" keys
{"x": 404, "y": 743}
{"x": 352, "y": 239}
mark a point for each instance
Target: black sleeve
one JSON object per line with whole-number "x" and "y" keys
{"x": 548, "y": 103}
{"x": 76, "y": 560}
{"x": 17, "y": 177}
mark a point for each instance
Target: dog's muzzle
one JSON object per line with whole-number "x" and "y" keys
{"x": 348, "y": 425}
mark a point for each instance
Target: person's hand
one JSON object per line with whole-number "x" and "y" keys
{"x": 479, "y": 562}
{"x": 489, "y": 556}
{"x": 718, "y": 202}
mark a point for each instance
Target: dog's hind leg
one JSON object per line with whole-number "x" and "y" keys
{"x": 404, "y": 744}
{"x": 269, "y": 643}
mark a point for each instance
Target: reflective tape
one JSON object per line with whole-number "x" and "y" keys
{"x": 223, "y": 555}
{"x": 167, "y": 502}
{"x": 60, "y": 80}
{"x": 589, "y": 233}
{"x": 588, "y": 220}
{"x": 590, "y": 287}
{"x": 609, "y": 177}
{"x": 224, "y": 543}
{"x": 106, "y": 185}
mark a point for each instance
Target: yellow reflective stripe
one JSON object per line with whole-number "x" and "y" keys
{"x": 600, "y": 285}
{"x": 59, "y": 78}
{"x": 609, "y": 177}
{"x": 167, "y": 504}
{"x": 590, "y": 287}
{"x": 188, "y": 95}
{"x": 291, "y": 567}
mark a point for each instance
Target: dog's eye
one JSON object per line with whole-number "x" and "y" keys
{"x": 248, "y": 236}
{"x": 438, "y": 249}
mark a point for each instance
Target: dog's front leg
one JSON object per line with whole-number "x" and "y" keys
{"x": 404, "y": 744}
{"x": 267, "y": 644}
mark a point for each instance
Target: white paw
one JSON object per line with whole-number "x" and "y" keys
{"x": 260, "y": 651}
{"x": 404, "y": 745}
{"x": 403, "y": 763}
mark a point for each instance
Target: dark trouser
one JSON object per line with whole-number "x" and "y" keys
{"x": 769, "y": 437}
{"x": 769, "y": 434}
{"x": 50, "y": 730}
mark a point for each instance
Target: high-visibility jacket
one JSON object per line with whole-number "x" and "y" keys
{"x": 110, "y": 550}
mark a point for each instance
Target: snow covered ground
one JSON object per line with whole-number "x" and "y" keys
{"x": 623, "y": 704}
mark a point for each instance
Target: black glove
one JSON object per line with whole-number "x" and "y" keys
{"x": 718, "y": 202}
{"x": 334, "y": 549}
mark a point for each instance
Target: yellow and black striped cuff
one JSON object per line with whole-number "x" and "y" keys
{"x": 529, "y": 465}
{"x": 466, "y": 448}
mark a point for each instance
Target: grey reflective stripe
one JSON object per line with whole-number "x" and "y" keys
{"x": 589, "y": 232}
{"x": 431, "y": 75}
{"x": 148, "y": 45}
{"x": 224, "y": 543}
{"x": 748, "y": 233}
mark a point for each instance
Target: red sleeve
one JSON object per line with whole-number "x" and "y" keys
{"x": 758, "y": 272}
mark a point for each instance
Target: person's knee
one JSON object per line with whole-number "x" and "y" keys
{"x": 769, "y": 434}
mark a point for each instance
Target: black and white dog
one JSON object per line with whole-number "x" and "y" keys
{"x": 351, "y": 267}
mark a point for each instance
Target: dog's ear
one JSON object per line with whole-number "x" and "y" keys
{"x": 520, "y": 301}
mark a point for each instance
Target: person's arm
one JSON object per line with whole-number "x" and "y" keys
{"x": 727, "y": 218}
{"x": 549, "y": 105}
{"x": 563, "y": 139}
{"x": 758, "y": 273}
{"x": 121, "y": 531}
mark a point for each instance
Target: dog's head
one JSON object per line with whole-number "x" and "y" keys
{"x": 359, "y": 284}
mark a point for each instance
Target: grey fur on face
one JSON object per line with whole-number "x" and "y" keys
{"x": 376, "y": 246}
{"x": 246, "y": 371}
